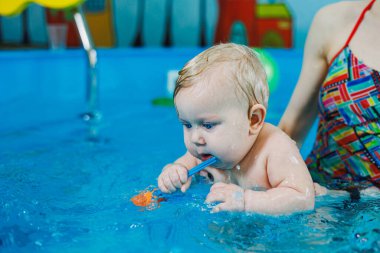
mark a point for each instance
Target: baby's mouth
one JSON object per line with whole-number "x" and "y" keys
{"x": 204, "y": 157}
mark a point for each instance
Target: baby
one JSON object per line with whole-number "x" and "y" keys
{"x": 221, "y": 98}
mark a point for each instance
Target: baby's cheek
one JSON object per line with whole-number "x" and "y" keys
{"x": 187, "y": 142}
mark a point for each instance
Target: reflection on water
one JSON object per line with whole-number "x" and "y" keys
{"x": 93, "y": 122}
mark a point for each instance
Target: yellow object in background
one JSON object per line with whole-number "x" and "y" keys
{"x": 100, "y": 21}
{"x": 14, "y": 7}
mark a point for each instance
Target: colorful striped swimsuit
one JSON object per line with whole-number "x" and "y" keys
{"x": 346, "y": 153}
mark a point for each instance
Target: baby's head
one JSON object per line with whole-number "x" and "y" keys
{"x": 221, "y": 97}
{"x": 236, "y": 64}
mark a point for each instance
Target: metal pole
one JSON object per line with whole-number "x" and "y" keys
{"x": 92, "y": 90}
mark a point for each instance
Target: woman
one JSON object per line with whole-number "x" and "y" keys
{"x": 340, "y": 82}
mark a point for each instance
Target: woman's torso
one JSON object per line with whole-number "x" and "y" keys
{"x": 346, "y": 152}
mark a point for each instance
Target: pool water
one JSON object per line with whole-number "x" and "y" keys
{"x": 66, "y": 186}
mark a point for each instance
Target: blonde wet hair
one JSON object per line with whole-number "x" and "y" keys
{"x": 242, "y": 66}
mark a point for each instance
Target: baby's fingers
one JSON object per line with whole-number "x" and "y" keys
{"x": 182, "y": 174}
{"x": 220, "y": 207}
{"x": 217, "y": 186}
{"x": 168, "y": 184}
{"x": 215, "y": 196}
{"x": 186, "y": 185}
{"x": 162, "y": 183}
{"x": 175, "y": 179}
{"x": 162, "y": 186}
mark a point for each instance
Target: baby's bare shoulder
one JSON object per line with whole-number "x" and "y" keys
{"x": 275, "y": 135}
{"x": 278, "y": 146}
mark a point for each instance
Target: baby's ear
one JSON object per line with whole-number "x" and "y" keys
{"x": 256, "y": 117}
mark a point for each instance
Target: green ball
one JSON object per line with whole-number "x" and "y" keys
{"x": 270, "y": 67}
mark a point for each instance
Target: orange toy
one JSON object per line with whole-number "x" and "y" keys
{"x": 146, "y": 199}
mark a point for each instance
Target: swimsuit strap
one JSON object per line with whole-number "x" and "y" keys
{"x": 358, "y": 22}
{"x": 360, "y": 19}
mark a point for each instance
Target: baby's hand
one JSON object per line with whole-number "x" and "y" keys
{"x": 173, "y": 177}
{"x": 231, "y": 197}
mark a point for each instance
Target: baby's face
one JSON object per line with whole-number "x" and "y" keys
{"x": 215, "y": 123}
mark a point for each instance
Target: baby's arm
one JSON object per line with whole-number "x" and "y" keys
{"x": 291, "y": 186}
{"x": 174, "y": 175}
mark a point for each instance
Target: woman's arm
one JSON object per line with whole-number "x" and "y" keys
{"x": 302, "y": 108}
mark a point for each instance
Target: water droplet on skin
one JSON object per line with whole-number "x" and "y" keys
{"x": 293, "y": 159}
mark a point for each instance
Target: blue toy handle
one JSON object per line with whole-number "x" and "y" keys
{"x": 191, "y": 172}
{"x": 201, "y": 166}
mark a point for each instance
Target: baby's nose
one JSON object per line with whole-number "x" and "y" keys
{"x": 197, "y": 138}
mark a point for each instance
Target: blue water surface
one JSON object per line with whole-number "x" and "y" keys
{"x": 66, "y": 185}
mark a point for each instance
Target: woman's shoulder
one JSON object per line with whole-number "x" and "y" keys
{"x": 332, "y": 25}
{"x": 340, "y": 13}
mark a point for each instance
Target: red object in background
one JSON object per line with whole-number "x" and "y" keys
{"x": 60, "y": 17}
{"x": 55, "y": 16}
{"x": 282, "y": 27}
{"x": 231, "y": 11}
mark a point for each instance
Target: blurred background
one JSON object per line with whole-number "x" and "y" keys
{"x": 167, "y": 23}
{"x": 140, "y": 46}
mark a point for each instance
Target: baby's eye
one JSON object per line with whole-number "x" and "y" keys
{"x": 187, "y": 125}
{"x": 208, "y": 125}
